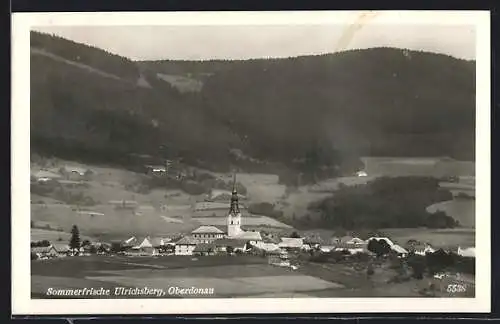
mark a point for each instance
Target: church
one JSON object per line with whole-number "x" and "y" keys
{"x": 233, "y": 230}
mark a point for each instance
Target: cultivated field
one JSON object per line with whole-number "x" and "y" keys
{"x": 445, "y": 238}
{"x": 229, "y": 276}
{"x": 399, "y": 166}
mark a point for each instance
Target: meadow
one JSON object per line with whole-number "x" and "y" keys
{"x": 229, "y": 276}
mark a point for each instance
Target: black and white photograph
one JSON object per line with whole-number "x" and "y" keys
{"x": 287, "y": 159}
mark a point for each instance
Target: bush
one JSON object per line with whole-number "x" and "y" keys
{"x": 418, "y": 265}
{"x": 379, "y": 247}
{"x": 385, "y": 203}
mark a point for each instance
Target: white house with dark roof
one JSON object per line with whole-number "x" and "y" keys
{"x": 44, "y": 176}
{"x": 186, "y": 245}
{"x": 207, "y": 234}
{"x": 467, "y": 252}
{"x": 290, "y": 243}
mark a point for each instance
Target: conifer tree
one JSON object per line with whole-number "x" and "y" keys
{"x": 74, "y": 242}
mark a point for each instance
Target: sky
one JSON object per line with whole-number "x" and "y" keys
{"x": 258, "y": 41}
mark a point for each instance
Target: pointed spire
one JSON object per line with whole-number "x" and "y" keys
{"x": 235, "y": 209}
{"x": 234, "y": 182}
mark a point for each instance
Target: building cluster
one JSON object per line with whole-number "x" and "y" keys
{"x": 213, "y": 240}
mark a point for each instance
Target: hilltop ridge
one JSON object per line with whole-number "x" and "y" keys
{"x": 299, "y": 113}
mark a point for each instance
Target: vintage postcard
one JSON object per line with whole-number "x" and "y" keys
{"x": 251, "y": 162}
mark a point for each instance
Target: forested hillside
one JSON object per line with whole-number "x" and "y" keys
{"x": 307, "y": 113}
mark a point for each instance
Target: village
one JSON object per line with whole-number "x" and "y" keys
{"x": 288, "y": 250}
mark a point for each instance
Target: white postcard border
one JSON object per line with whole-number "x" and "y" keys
{"x": 22, "y": 304}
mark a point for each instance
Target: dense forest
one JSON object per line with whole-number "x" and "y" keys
{"x": 385, "y": 203}
{"x": 313, "y": 114}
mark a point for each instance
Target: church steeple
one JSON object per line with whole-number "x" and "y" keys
{"x": 234, "y": 209}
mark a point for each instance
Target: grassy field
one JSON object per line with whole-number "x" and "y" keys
{"x": 229, "y": 276}
{"x": 461, "y": 210}
{"x": 38, "y": 234}
{"x": 418, "y": 166}
{"x": 446, "y": 238}
{"x": 438, "y": 238}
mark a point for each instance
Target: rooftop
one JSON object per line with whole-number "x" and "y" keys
{"x": 207, "y": 229}
{"x": 230, "y": 242}
{"x": 204, "y": 247}
{"x": 187, "y": 240}
{"x": 252, "y": 236}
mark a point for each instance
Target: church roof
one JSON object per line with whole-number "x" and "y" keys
{"x": 230, "y": 242}
{"x": 206, "y": 229}
{"x": 251, "y": 236}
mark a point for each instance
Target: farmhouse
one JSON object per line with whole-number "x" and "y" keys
{"x": 387, "y": 240}
{"x": 327, "y": 248}
{"x": 267, "y": 247}
{"x": 291, "y": 243}
{"x": 75, "y": 173}
{"x": 185, "y": 246}
{"x": 467, "y": 252}
{"x": 204, "y": 249}
{"x": 421, "y": 249}
{"x": 156, "y": 169}
{"x": 236, "y": 245}
{"x": 45, "y": 176}
{"x": 207, "y": 234}
{"x": 43, "y": 252}
{"x": 311, "y": 243}
{"x": 399, "y": 250}
{"x": 361, "y": 174}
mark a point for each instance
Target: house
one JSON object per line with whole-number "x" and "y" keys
{"x": 278, "y": 258}
{"x": 327, "y": 248}
{"x": 156, "y": 169}
{"x": 386, "y": 239}
{"x": 467, "y": 252}
{"x": 75, "y": 173}
{"x": 204, "y": 249}
{"x": 186, "y": 245}
{"x": 130, "y": 242}
{"x": 420, "y": 249}
{"x": 45, "y": 176}
{"x": 400, "y": 251}
{"x": 146, "y": 247}
{"x": 236, "y": 245}
{"x": 334, "y": 240}
{"x": 311, "y": 243}
{"x": 291, "y": 243}
{"x": 361, "y": 174}
{"x": 207, "y": 234}
{"x": 44, "y": 252}
{"x": 267, "y": 247}
{"x": 249, "y": 236}
{"x": 356, "y": 241}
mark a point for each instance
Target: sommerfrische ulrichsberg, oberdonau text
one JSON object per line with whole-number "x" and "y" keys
{"x": 117, "y": 291}
{"x": 125, "y": 291}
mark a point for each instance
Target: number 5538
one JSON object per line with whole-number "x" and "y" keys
{"x": 456, "y": 288}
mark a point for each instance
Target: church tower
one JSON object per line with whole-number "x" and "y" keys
{"x": 234, "y": 217}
